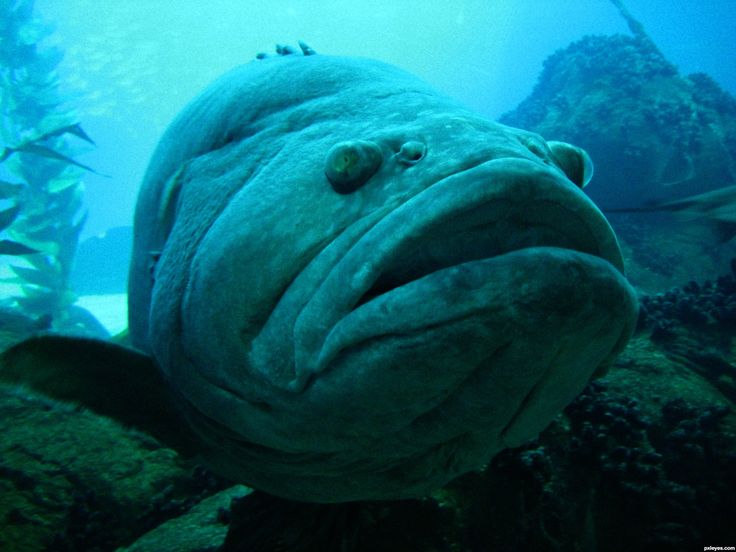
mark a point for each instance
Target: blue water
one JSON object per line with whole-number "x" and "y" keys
{"x": 132, "y": 65}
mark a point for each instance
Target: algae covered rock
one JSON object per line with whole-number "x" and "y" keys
{"x": 653, "y": 134}
{"x": 76, "y": 481}
{"x": 202, "y": 528}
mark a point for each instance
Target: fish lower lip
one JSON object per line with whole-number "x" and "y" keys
{"x": 534, "y": 295}
{"x": 462, "y": 241}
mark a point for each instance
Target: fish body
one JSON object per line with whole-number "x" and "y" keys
{"x": 354, "y": 288}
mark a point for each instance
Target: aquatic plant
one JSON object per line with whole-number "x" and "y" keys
{"x": 40, "y": 182}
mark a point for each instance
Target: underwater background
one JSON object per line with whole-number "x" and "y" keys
{"x": 643, "y": 458}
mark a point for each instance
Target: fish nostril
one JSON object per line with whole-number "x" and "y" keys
{"x": 535, "y": 145}
{"x": 411, "y": 152}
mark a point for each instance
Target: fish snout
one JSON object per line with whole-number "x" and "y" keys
{"x": 476, "y": 215}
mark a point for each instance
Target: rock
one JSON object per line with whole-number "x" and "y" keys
{"x": 71, "y": 480}
{"x": 202, "y": 528}
{"x": 651, "y": 132}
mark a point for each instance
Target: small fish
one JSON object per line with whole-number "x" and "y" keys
{"x": 716, "y": 208}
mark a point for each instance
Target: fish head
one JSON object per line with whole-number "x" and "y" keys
{"x": 389, "y": 301}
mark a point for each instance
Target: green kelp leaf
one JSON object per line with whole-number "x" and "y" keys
{"x": 48, "y": 247}
{"x": 41, "y": 278}
{"x": 67, "y": 197}
{"x": 43, "y": 262}
{"x": 44, "y": 237}
{"x": 43, "y": 299}
{"x": 79, "y": 224}
{"x": 9, "y": 247}
{"x": 52, "y": 123}
{"x": 34, "y": 292}
{"x": 38, "y": 302}
{"x": 34, "y": 218}
{"x": 65, "y": 204}
{"x": 8, "y": 215}
{"x": 29, "y": 223}
{"x": 43, "y": 151}
{"x": 10, "y": 189}
{"x": 69, "y": 240}
{"x": 33, "y": 146}
{"x": 47, "y": 61}
{"x": 62, "y": 183}
{"x": 75, "y": 129}
{"x": 61, "y": 212}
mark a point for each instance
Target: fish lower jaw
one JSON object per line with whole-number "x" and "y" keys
{"x": 531, "y": 287}
{"x": 469, "y": 245}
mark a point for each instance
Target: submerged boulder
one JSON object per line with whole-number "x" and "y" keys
{"x": 653, "y": 134}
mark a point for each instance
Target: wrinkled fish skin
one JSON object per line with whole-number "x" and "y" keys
{"x": 357, "y": 288}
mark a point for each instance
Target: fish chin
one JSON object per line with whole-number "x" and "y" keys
{"x": 508, "y": 341}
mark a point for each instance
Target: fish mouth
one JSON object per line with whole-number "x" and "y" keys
{"x": 488, "y": 231}
{"x": 474, "y": 216}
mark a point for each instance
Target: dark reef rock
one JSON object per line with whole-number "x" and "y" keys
{"x": 618, "y": 481}
{"x": 708, "y": 305}
{"x": 653, "y": 134}
{"x": 52, "y": 498}
{"x": 264, "y": 523}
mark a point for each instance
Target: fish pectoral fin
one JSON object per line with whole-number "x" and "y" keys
{"x": 108, "y": 379}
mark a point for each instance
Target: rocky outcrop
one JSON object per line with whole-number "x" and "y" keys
{"x": 653, "y": 134}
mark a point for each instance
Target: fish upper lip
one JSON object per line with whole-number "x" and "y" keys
{"x": 440, "y": 227}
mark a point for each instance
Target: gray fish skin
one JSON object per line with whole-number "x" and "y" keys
{"x": 376, "y": 342}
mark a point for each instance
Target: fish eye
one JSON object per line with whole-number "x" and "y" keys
{"x": 411, "y": 152}
{"x": 350, "y": 164}
{"x": 574, "y": 161}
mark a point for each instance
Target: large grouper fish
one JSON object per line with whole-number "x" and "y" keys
{"x": 351, "y": 287}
